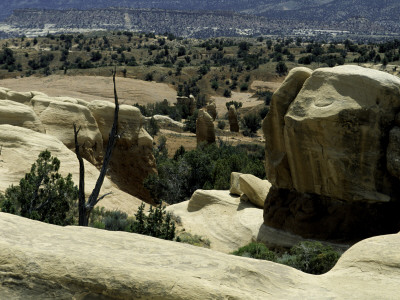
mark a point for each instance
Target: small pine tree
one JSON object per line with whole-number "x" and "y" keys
{"x": 43, "y": 194}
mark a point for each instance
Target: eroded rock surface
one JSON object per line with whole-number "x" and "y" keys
{"x": 326, "y": 135}
{"x": 18, "y": 114}
{"x": 205, "y": 131}
{"x": 43, "y": 261}
{"x": 233, "y": 119}
{"x": 132, "y": 159}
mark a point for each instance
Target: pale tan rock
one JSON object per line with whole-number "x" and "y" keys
{"x": 21, "y": 97}
{"x": 40, "y": 102}
{"x": 3, "y": 93}
{"x": 21, "y": 148}
{"x": 334, "y": 132}
{"x": 234, "y": 184}
{"x": 18, "y": 114}
{"x": 43, "y": 261}
{"x": 58, "y": 118}
{"x": 165, "y": 122}
{"x": 277, "y": 167}
{"x": 205, "y": 131}
{"x": 132, "y": 159}
{"x": 130, "y": 120}
{"x": 212, "y": 110}
{"x": 233, "y": 119}
{"x": 254, "y": 188}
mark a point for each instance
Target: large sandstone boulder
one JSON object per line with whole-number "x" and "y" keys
{"x": 42, "y": 261}
{"x": 205, "y": 131}
{"x": 326, "y": 149}
{"x": 58, "y": 118}
{"x": 21, "y": 148}
{"x": 18, "y": 114}
{"x": 277, "y": 168}
{"x": 233, "y": 119}
{"x": 165, "y": 122}
{"x": 212, "y": 110}
{"x": 132, "y": 159}
{"x": 235, "y": 184}
{"x": 254, "y": 188}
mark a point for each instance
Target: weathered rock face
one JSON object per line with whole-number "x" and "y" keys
{"x": 233, "y": 119}
{"x": 205, "y": 131}
{"x": 18, "y": 114}
{"x": 58, "y": 118}
{"x": 19, "y": 97}
{"x": 326, "y": 135}
{"x": 254, "y": 188}
{"x": 20, "y": 149}
{"x": 212, "y": 110}
{"x": 165, "y": 122}
{"x": 277, "y": 167}
{"x": 42, "y": 261}
{"x": 132, "y": 159}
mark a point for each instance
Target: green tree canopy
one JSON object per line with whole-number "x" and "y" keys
{"x": 43, "y": 194}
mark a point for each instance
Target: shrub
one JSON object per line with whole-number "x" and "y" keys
{"x": 148, "y": 77}
{"x": 221, "y": 124}
{"x": 152, "y": 128}
{"x": 158, "y": 223}
{"x": 251, "y": 122}
{"x": 244, "y": 86}
{"x": 312, "y": 257}
{"x": 43, "y": 194}
{"x": 281, "y": 68}
{"x": 309, "y": 257}
{"x": 234, "y": 103}
{"x": 256, "y": 250}
{"x": 190, "y": 123}
{"x": 195, "y": 240}
{"x": 227, "y": 93}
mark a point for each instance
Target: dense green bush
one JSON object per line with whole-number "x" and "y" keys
{"x": 221, "y": 124}
{"x": 309, "y": 257}
{"x": 251, "y": 123}
{"x": 43, "y": 194}
{"x": 207, "y": 167}
{"x": 236, "y": 104}
{"x": 256, "y": 250}
{"x": 156, "y": 223}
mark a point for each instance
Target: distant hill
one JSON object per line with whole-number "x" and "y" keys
{"x": 198, "y": 18}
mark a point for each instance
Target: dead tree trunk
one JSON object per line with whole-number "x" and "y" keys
{"x": 85, "y": 208}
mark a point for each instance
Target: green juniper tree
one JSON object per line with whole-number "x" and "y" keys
{"x": 43, "y": 194}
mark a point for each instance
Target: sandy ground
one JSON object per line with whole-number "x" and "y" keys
{"x": 90, "y": 88}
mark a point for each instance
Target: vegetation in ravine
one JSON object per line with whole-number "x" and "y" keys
{"x": 207, "y": 167}
{"x": 309, "y": 257}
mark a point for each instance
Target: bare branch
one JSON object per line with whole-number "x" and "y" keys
{"x": 82, "y": 200}
{"x": 99, "y": 199}
{"x": 110, "y": 147}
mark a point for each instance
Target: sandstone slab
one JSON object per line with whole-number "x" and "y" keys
{"x": 42, "y": 261}
{"x": 254, "y": 188}
{"x": 18, "y": 114}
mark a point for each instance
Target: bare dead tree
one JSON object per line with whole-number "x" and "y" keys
{"x": 85, "y": 208}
